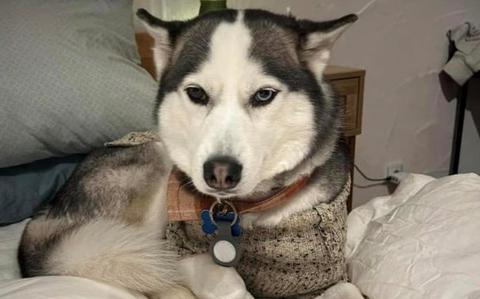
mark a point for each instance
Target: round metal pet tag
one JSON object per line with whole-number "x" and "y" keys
{"x": 225, "y": 247}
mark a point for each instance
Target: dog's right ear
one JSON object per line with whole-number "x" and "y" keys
{"x": 318, "y": 39}
{"x": 164, "y": 33}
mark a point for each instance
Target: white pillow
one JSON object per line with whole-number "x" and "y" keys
{"x": 9, "y": 239}
{"x": 421, "y": 242}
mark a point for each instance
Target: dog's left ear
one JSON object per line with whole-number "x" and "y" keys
{"x": 317, "y": 39}
{"x": 165, "y": 34}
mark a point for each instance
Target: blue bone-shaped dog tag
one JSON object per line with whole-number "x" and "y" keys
{"x": 209, "y": 227}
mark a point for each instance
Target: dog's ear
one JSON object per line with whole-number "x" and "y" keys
{"x": 164, "y": 33}
{"x": 317, "y": 39}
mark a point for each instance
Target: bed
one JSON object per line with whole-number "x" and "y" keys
{"x": 420, "y": 242}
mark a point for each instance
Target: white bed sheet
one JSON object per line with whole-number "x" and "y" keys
{"x": 421, "y": 242}
{"x": 9, "y": 239}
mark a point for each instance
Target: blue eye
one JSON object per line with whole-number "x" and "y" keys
{"x": 263, "y": 96}
{"x": 197, "y": 95}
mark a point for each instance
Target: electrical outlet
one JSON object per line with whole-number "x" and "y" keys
{"x": 393, "y": 167}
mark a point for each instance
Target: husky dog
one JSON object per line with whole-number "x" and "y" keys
{"x": 242, "y": 110}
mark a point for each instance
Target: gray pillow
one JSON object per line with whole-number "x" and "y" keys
{"x": 70, "y": 78}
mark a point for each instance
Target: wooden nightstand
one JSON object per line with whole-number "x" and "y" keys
{"x": 348, "y": 83}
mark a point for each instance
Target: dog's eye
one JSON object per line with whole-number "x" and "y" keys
{"x": 197, "y": 95}
{"x": 263, "y": 96}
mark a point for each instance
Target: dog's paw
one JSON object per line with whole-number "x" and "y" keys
{"x": 176, "y": 293}
{"x": 229, "y": 286}
{"x": 244, "y": 294}
{"x": 227, "y": 294}
{"x": 341, "y": 290}
{"x": 208, "y": 280}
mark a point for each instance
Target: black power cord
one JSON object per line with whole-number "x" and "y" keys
{"x": 385, "y": 179}
{"x": 396, "y": 178}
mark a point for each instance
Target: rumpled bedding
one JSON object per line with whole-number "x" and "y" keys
{"x": 423, "y": 241}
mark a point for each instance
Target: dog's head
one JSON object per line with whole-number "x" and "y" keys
{"x": 241, "y": 96}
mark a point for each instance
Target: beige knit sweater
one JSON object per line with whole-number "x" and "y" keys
{"x": 299, "y": 258}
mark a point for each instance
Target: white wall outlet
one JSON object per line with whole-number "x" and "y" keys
{"x": 394, "y": 167}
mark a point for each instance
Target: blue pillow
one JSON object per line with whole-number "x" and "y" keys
{"x": 23, "y": 188}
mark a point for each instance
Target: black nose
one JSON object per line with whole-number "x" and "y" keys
{"x": 222, "y": 172}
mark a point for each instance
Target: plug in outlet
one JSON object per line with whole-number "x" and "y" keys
{"x": 394, "y": 167}
{"x": 395, "y": 172}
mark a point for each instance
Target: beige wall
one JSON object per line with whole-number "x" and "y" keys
{"x": 402, "y": 45}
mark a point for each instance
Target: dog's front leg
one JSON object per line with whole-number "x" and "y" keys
{"x": 341, "y": 290}
{"x": 208, "y": 280}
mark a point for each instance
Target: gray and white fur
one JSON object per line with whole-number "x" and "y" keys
{"x": 241, "y": 89}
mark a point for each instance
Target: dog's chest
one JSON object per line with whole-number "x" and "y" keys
{"x": 302, "y": 255}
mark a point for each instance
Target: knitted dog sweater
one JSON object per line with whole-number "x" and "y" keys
{"x": 298, "y": 258}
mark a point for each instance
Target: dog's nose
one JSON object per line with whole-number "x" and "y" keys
{"x": 222, "y": 172}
